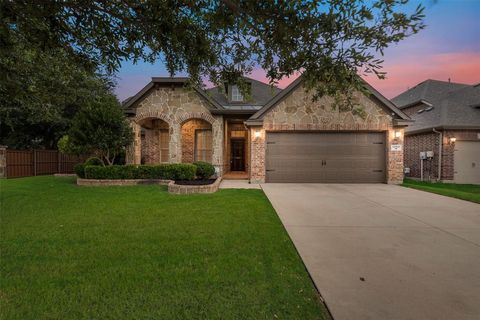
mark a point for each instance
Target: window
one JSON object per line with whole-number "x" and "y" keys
{"x": 203, "y": 145}
{"x": 236, "y": 94}
{"x": 164, "y": 142}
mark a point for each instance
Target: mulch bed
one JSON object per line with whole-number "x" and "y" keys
{"x": 195, "y": 182}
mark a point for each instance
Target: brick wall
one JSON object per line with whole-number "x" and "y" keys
{"x": 414, "y": 144}
{"x": 429, "y": 141}
{"x": 151, "y": 142}
{"x": 188, "y": 138}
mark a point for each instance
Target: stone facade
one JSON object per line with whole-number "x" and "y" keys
{"x": 257, "y": 158}
{"x": 175, "y": 105}
{"x": 299, "y": 112}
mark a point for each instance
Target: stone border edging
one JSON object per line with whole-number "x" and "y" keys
{"x": 172, "y": 187}
{"x": 189, "y": 189}
{"x": 120, "y": 182}
{"x": 64, "y": 175}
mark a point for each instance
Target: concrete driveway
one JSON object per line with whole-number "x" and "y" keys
{"x": 383, "y": 251}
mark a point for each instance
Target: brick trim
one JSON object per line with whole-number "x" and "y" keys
{"x": 151, "y": 114}
{"x": 196, "y": 115}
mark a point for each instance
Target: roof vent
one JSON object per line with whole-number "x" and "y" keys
{"x": 429, "y": 109}
{"x": 420, "y": 111}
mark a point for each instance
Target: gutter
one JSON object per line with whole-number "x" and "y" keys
{"x": 440, "y": 150}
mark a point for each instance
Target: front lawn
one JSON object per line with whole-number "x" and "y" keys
{"x": 71, "y": 252}
{"x": 469, "y": 192}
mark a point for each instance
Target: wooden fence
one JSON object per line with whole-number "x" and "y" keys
{"x": 26, "y": 163}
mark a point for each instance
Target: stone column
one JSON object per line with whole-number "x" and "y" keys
{"x": 395, "y": 151}
{"x": 175, "y": 145}
{"x": 3, "y": 162}
{"x": 257, "y": 152}
{"x": 137, "y": 144}
{"x": 217, "y": 144}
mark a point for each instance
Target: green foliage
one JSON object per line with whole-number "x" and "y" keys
{"x": 329, "y": 41}
{"x": 469, "y": 192}
{"x": 204, "y": 169}
{"x": 93, "y": 161}
{"x": 171, "y": 171}
{"x": 41, "y": 89}
{"x": 79, "y": 169}
{"x": 101, "y": 128}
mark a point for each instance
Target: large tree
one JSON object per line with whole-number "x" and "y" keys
{"x": 328, "y": 41}
{"x": 40, "y": 92}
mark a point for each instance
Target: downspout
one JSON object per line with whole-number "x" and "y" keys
{"x": 440, "y": 149}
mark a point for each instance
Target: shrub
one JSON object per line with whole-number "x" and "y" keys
{"x": 93, "y": 161}
{"x": 177, "y": 171}
{"x": 204, "y": 169}
{"x": 79, "y": 170}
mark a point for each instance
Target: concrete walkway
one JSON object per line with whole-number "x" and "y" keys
{"x": 238, "y": 184}
{"x": 385, "y": 252}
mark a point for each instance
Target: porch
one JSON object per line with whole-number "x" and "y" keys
{"x": 224, "y": 142}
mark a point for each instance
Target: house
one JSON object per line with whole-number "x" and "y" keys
{"x": 446, "y": 131}
{"x": 270, "y": 135}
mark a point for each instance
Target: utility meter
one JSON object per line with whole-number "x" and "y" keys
{"x": 423, "y": 155}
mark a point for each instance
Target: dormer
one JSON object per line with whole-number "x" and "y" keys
{"x": 234, "y": 93}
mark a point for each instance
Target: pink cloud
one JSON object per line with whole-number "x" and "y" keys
{"x": 407, "y": 71}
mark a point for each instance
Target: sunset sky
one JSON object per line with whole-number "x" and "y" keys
{"x": 448, "y": 48}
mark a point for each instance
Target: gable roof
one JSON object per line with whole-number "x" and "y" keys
{"x": 457, "y": 109}
{"x": 260, "y": 94}
{"x": 427, "y": 90}
{"x": 284, "y": 93}
{"x": 129, "y": 102}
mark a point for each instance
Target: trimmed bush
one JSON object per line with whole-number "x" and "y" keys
{"x": 174, "y": 171}
{"x": 93, "y": 161}
{"x": 204, "y": 169}
{"x": 79, "y": 170}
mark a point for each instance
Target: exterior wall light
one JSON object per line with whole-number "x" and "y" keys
{"x": 398, "y": 133}
{"x": 257, "y": 134}
{"x": 453, "y": 139}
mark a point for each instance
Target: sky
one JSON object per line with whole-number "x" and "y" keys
{"x": 449, "y": 48}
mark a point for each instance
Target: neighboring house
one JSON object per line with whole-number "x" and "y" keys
{"x": 273, "y": 135}
{"x": 447, "y": 123}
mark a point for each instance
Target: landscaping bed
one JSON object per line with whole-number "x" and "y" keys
{"x": 181, "y": 178}
{"x": 140, "y": 252}
{"x": 199, "y": 182}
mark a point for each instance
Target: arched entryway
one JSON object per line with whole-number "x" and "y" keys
{"x": 154, "y": 141}
{"x": 197, "y": 141}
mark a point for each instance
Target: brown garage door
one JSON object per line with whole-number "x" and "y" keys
{"x": 325, "y": 157}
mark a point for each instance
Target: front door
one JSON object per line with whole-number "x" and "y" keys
{"x": 237, "y": 155}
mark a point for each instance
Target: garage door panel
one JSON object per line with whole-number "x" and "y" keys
{"x": 325, "y": 157}
{"x": 467, "y": 162}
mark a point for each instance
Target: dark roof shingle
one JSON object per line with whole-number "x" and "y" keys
{"x": 260, "y": 94}
{"x": 453, "y": 105}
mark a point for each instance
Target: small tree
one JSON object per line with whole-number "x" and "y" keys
{"x": 99, "y": 128}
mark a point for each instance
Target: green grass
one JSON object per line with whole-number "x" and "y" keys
{"x": 70, "y": 252}
{"x": 469, "y": 192}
